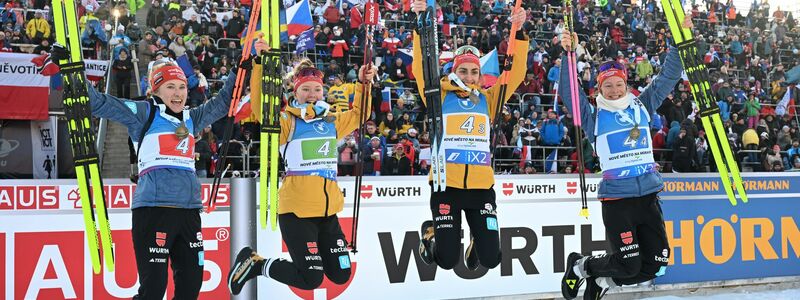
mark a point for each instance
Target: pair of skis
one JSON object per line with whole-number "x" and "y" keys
{"x": 572, "y": 69}
{"x": 371, "y": 17}
{"x": 81, "y": 135}
{"x": 271, "y": 93}
{"x": 701, "y": 90}
{"x": 238, "y": 92}
{"x": 427, "y": 28}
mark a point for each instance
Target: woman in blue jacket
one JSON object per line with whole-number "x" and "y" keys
{"x": 619, "y": 129}
{"x": 166, "y": 206}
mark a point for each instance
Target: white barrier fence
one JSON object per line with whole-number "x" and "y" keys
{"x": 45, "y": 255}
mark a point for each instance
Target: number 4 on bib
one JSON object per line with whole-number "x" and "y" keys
{"x": 469, "y": 124}
{"x": 183, "y": 146}
{"x": 325, "y": 149}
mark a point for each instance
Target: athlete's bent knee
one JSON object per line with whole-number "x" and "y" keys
{"x": 490, "y": 261}
{"x": 312, "y": 279}
{"x": 340, "y": 277}
{"x": 631, "y": 267}
{"x": 446, "y": 262}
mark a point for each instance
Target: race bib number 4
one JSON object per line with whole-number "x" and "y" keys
{"x": 471, "y": 125}
{"x": 169, "y": 144}
{"x": 318, "y": 149}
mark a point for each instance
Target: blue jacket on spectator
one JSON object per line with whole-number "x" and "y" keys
{"x": 651, "y": 98}
{"x": 552, "y": 132}
{"x": 736, "y": 47}
{"x": 554, "y": 73}
{"x": 724, "y": 110}
{"x": 672, "y": 134}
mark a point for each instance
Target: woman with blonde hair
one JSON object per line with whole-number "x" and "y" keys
{"x": 310, "y": 195}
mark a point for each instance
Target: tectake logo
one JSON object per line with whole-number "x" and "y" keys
{"x": 328, "y": 288}
{"x": 508, "y": 188}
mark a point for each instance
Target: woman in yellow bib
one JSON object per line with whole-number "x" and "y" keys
{"x": 467, "y": 112}
{"x": 310, "y": 196}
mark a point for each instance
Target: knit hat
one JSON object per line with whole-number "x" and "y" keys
{"x": 166, "y": 73}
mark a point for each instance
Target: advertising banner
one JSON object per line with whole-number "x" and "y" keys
{"x": 538, "y": 226}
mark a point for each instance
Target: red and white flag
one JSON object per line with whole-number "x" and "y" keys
{"x": 525, "y": 156}
{"x": 244, "y": 109}
{"x": 23, "y": 89}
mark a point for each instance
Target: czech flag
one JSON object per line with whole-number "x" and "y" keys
{"x": 490, "y": 68}
{"x": 299, "y": 18}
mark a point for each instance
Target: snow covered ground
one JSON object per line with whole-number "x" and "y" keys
{"x": 789, "y": 294}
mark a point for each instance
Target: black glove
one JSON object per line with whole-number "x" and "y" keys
{"x": 58, "y": 53}
{"x": 247, "y": 64}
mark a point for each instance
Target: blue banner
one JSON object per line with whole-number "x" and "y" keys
{"x": 712, "y": 185}
{"x": 712, "y": 240}
{"x": 305, "y": 41}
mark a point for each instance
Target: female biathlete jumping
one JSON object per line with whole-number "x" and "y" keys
{"x": 620, "y": 129}
{"x": 310, "y": 197}
{"x": 467, "y": 110}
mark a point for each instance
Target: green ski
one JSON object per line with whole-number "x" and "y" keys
{"x": 81, "y": 135}
{"x": 701, "y": 90}
{"x": 271, "y": 92}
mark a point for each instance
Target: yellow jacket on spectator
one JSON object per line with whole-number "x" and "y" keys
{"x": 38, "y": 25}
{"x": 85, "y": 19}
{"x": 465, "y": 176}
{"x": 750, "y": 137}
{"x": 339, "y": 96}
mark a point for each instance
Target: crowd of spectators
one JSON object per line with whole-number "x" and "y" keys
{"x": 749, "y": 55}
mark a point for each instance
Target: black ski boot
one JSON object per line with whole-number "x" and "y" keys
{"x": 247, "y": 266}
{"x": 593, "y": 290}
{"x": 571, "y": 282}
{"x": 427, "y": 242}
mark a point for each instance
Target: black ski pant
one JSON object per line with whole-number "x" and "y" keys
{"x": 162, "y": 234}
{"x": 635, "y": 230}
{"x": 480, "y": 209}
{"x": 317, "y": 247}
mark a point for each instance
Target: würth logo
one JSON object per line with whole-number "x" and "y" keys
{"x": 572, "y": 187}
{"x": 312, "y": 247}
{"x": 161, "y": 239}
{"x": 508, "y": 188}
{"x": 627, "y": 237}
{"x": 366, "y": 191}
{"x": 444, "y": 209}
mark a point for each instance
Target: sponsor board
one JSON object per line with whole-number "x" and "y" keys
{"x": 64, "y": 195}
{"x": 709, "y": 239}
{"x": 50, "y": 260}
